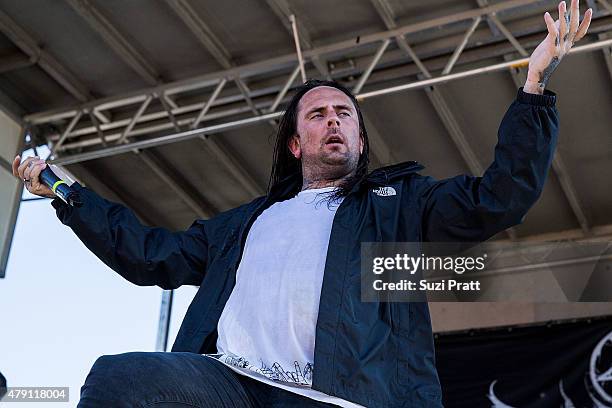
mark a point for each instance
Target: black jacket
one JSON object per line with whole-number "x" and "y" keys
{"x": 374, "y": 354}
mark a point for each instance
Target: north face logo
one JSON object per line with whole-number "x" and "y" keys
{"x": 384, "y": 191}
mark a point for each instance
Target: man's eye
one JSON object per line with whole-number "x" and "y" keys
{"x": 345, "y": 114}
{"x": 317, "y": 115}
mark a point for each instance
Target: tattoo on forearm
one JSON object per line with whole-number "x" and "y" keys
{"x": 545, "y": 75}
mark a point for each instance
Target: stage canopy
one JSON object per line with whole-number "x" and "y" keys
{"x": 169, "y": 106}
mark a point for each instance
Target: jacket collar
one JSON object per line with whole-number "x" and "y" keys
{"x": 385, "y": 175}
{"x": 380, "y": 176}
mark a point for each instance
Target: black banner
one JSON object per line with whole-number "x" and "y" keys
{"x": 561, "y": 365}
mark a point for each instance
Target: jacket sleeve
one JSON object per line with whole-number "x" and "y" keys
{"x": 143, "y": 255}
{"x": 467, "y": 208}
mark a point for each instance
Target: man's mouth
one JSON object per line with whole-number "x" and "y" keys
{"x": 334, "y": 140}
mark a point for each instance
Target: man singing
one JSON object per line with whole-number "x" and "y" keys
{"x": 277, "y": 320}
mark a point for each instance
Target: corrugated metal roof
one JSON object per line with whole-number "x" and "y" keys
{"x": 104, "y": 58}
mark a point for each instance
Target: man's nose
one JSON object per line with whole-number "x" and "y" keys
{"x": 333, "y": 121}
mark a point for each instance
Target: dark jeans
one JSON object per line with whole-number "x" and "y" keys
{"x": 172, "y": 380}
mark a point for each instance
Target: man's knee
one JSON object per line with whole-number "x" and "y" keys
{"x": 111, "y": 379}
{"x": 132, "y": 379}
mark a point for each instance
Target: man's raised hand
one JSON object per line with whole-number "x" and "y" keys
{"x": 28, "y": 172}
{"x": 562, "y": 35}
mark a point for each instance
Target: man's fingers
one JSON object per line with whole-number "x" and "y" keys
{"x": 16, "y": 162}
{"x": 24, "y": 166}
{"x": 27, "y": 173}
{"x": 28, "y": 170}
{"x": 563, "y": 23}
{"x": 584, "y": 26}
{"x": 550, "y": 24}
{"x": 574, "y": 16}
{"x": 35, "y": 173}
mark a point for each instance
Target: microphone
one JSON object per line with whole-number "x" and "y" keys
{"x": 69, "y": 195}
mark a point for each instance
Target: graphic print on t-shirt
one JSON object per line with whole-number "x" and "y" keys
{"x": 276, "y": 372}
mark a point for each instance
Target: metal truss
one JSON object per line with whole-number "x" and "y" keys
{"x": 92, "y": 123}
{"x": 174, "y": 117}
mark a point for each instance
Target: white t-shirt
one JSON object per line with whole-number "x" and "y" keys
{"x": 267, "y": 328}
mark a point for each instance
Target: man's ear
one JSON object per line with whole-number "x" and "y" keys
{"x": 294, "y": 146}
{"x": 360, "y": 143}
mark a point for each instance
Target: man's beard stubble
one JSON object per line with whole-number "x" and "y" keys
{"x": 329, "y": 165}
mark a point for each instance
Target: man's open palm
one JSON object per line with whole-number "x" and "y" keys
{"x": 562, "y": 35}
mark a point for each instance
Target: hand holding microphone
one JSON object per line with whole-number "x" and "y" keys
{"x": 40, "y": 180}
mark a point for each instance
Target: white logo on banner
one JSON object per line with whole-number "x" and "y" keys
{"x": 600, "y": 373}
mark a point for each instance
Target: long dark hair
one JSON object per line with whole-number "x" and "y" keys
{"x": 285, "y": 165}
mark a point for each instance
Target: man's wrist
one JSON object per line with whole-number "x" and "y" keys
{"x": 533, "y": 88}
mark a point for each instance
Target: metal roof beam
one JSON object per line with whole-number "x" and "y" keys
{"x": 283, "y": 11}
{"x": 168, "y": 109}
{"x": 457, "y": 53}
{"x": 116, "y": 40}
{"x": 277, "y": 63}
{"x": 202, "y": 31}
{"x": 66, "y": 132}
{"x": 233, "y": 165}
{"x": 13, "y": 109}
{"x": 476, "y": 71}
{"x": 607, "y": 53}
{"x": 46, "y": 61}
{"x": 14, "y": 62}
{"x": 6, "y": 165}
{"x": 379, "y": 149}
{"x": 519, "y": 76}
{"x": 502, "y": 28}
{"x": 283, "y": 91}
{"x": 368, "y": 71}
{"x": 181, "y": 187}
{"x": 115, "y": 194}
{"x": 458, "y": 137}
{"x": 215, "y": 47}
{"x": 208, "y": 104}
{"x": 385, "y": 12}
{"x": 255, "y": 120}
{"x": 435, "y": 97}
{"x": 498, "y": 28}
{"x": 607, "y": 6}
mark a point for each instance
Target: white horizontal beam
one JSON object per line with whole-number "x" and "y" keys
{"x": 284, "y": 62}
{"x": 271, "y": 116}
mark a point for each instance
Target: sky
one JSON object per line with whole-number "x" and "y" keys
{"x": 62, "y": 307}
